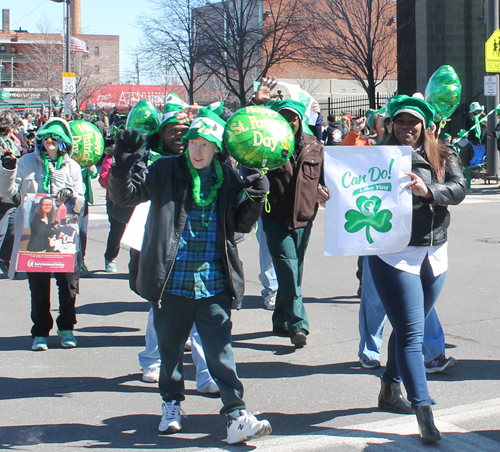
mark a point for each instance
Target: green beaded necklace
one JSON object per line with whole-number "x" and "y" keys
{"x": 47, "y": 179}
{"x": 197, "y": 196}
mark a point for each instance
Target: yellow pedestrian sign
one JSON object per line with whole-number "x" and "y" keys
{"x": 492, "y": 52}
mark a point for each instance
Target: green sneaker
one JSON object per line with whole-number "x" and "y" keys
{"x": 39, "y": 344}
{"x": 67, "y": 338}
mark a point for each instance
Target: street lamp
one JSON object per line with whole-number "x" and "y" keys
{"x": 67, "y": 19}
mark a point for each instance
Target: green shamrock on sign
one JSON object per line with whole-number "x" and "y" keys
{"x": 367, "y": 216}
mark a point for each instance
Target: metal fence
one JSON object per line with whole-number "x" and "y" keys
{"x": 353, "y": 105}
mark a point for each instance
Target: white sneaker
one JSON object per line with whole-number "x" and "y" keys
{"x": 269, "y": 300}
{"x": 151, "y": 375}
{"x": 209, "y": 388}
{"x": 171, "y": 417}
{"x": 246, "y": 427}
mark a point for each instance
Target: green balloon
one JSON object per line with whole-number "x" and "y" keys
{"x": 443, "y": 91}
{"x": 258, "y": 137}
{"x": 144, "y": 116}
{"x": 88, "y": 143}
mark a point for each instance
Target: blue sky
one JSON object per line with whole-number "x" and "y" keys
{"x": 104, "y": 17}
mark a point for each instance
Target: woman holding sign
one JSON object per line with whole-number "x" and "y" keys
{"x": 410, "y": 281}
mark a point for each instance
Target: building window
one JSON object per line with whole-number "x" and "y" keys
{"x": 354, "y": 90}
{"x": 96, "y": 51}
{"x": 2, "y": 49}
{"x": 342, "y": 90}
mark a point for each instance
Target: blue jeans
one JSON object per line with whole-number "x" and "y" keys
{"x": 372, "y": 319}
{"x": 407, "y": 299}
{"x": 267, "y": 274}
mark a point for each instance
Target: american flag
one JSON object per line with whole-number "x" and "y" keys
{"x": 77, "y": 45}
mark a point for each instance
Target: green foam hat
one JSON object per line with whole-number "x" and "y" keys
{"x": 414, "y": 106}
{"x": 173, "y": 106}
{"x": 288, "y": 104}
{"x": 462, "y": 133}
{"x": 207, "y": 125}
{"x": 371, "y": 115}
{"x": 57, "y": 127}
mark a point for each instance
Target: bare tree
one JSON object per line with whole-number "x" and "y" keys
{"x": 356, "y": 38}
{"x": 171, "y": 42}
{"x": 90, "y": 76}
{"x": 43, "y": 63}
{"x": 243, "y": 39}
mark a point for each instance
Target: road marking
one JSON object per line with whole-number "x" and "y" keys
{"x": 397, "y": 434}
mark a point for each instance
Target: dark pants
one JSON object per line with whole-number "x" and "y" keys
{"x": 6, "y": 234}
{"x": 407, "y": 299}
{"x": 40, "y": 301}
{"x": 116, "y": 230}
{"x": 173, "y": 322}
{"x": 288, "y": 248}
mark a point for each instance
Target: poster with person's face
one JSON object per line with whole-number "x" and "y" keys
{"x": 50, "y": 234}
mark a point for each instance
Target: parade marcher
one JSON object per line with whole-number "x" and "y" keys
{"x": 87, "y": 175}
{"x": 478, "y": 117}
{"x": 333, "y": 134}
{"x": 167, "y": 142}
{"x": 189, "y": 267}
{"x": 7, "y": 204}
{"x": 409, "y": 282}
{"x": 50, "y": 170}
{"x": 372, "y": 316}
{"x": 296, "y": 189}
{"x": 466, "y": 154}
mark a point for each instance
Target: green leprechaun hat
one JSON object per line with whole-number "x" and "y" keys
{"x": 208, "y": 125}
{"x": 173, "y": 106}
{"x": 58, "y": 128}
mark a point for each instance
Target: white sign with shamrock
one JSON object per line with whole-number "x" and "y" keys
{"x": 370, "y": 210}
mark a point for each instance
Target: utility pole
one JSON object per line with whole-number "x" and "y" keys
{"x": 491, "y": 103}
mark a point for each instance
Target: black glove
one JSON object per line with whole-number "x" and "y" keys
{"x": 64, "y": 193}
{"x": 128, "y": 146}
{"x": 9, "y": 161}
{"x": 256, "y": 184}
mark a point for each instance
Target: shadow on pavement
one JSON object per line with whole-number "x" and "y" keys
{"x": 22, "y": 388}
{"x": 203, "y": 431}
{"x": 113, "y": 307}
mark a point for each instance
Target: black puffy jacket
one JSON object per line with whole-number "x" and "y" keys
{"x": 168, "y": 184}
{"x": 431, "y": 217}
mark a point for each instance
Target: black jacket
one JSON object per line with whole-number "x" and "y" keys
{"x": 431, "y": 217}
{"x": 168, "y": 184}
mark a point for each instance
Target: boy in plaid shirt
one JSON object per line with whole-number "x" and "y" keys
{"x": 189, "y": 267}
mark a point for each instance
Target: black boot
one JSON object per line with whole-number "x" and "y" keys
{"x": 391, "y": 399}
{"x": 428, "y": 432}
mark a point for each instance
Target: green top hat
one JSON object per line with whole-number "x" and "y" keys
{"x": 208, "y": 125}
{"x": 414, "y": 106}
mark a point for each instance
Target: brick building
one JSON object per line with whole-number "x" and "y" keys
{"x": 31, "y": 61}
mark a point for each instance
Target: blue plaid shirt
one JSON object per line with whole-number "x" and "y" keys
{"x": 198, "y": 271}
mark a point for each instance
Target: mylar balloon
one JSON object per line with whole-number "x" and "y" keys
{"x": 443, "y": 91}
{"x": 144, "y": 116}
{"x": 258, "y": 137}
{"x": 88, "y": 143}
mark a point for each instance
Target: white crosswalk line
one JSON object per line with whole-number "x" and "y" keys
{"x": 397, "y": 434}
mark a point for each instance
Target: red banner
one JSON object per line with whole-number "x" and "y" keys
{"x": 126, "y": 96}
{"x": 45, "y": 262}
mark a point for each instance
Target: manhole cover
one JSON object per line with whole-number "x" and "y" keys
{"x": 490, "y": 240}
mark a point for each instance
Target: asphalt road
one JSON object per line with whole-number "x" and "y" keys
{"x": 317, "y": 398}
